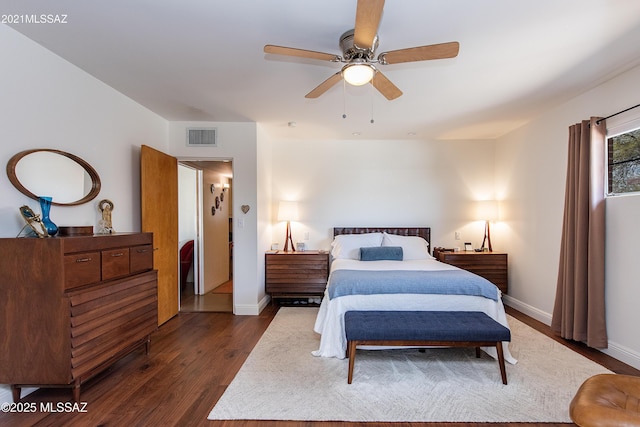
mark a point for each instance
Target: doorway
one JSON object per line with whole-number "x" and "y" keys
{"x": 205, "y": 192}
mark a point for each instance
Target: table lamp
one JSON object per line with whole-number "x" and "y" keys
{"x": 487, "y": 211}
{"x": 288, "y": 211}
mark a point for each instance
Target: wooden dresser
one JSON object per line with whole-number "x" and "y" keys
{"x": 72, "y": 306}
{"x": 296, "y": 274}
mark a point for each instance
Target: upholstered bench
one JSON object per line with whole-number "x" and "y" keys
{"x": 424, "y": 328}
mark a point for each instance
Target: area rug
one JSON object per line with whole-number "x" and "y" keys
{"x": 281, "y": 380}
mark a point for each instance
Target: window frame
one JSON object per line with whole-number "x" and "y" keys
{"x": 616, "y": 128}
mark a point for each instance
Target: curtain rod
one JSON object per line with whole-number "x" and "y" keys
{"x": 619, "y": 112}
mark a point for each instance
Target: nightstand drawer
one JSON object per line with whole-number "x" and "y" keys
{"x": 493, "y": 266}
{"x": 296, "y": 273}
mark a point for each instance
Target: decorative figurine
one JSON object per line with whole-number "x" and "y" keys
{"x": 104, "y": 225}
{"x": 33, "y": 220}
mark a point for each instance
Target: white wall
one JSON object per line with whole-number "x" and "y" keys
{"x": 48, "y": 103}
{"x": 530, "y": 173}
{"x": 383, "y": 183}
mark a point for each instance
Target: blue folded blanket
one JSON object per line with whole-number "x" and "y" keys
{"x": 445, "y": 282}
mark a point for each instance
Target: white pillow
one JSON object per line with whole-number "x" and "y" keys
{"x": 347, "y": 246}
{"x": 413, "y": 247}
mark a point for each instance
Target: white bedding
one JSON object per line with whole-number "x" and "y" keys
{"x": 330, "y": 321}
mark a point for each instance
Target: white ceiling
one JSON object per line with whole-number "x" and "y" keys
{"x": 204, "y": 60}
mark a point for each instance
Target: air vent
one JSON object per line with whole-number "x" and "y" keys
{"x": 201, "y": 137}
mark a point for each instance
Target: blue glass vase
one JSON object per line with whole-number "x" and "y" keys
{"x": 45, "y": 207}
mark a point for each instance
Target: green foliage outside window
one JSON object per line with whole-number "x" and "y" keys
{"x": 624, "y": 162}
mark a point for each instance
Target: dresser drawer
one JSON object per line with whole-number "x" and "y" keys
{"x": 141, "y": 258}
{"x": 108, "y": 319}
{"x": 81, "y": 269}
{"x": 115, "y": 263}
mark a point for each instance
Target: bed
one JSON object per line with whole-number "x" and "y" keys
{"x": 377, "y": 268}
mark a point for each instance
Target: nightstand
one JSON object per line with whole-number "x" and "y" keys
{"x": 300, "y": 274}
{"x": 490, "y": 265}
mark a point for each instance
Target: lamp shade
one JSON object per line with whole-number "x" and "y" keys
{"x": 358, "y": 74}
{"x": 487, "y": 210}
{"x": 287, "y": 211}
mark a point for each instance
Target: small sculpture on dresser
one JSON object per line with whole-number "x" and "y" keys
{"x": 104, "y": 225}
{"x": 34, "y": 221}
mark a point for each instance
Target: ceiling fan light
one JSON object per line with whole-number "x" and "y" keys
{"x": 358, "y": 74}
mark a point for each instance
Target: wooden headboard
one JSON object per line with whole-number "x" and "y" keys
{"x": 424, "y": 232}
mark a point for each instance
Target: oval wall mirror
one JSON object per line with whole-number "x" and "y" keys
{"x": 66, "y": 178}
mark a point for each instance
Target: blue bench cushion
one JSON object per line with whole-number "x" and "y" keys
{"x": 423, "y": 326}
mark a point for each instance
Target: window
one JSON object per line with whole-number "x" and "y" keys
{"x": 623, "y": 157}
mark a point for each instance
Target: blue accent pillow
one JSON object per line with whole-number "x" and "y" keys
{"x": 379, "y": 253}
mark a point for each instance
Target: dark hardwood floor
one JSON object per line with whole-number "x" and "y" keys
{"x": 193, "y": 359}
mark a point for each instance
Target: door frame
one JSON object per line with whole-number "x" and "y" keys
{"x": 199, "y": 241}
{"x": 197, "y": 247}
{"x": 198, "y": 259}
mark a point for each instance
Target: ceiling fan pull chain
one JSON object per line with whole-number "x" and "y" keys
{"x": 344, "y": 99}
{"x": 371, "y": 91}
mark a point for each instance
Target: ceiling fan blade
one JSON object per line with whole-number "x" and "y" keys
{"x": 420, "y": 53}
{"x": 325, "y": 85}
{"x": 368, "y": 14}
{"x": 385, "y": 87}
{"x": 302, "y": 53}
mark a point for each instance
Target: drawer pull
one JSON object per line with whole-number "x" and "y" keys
{"x": 141, "y": 251}
{"x": 83, "y": 259}
{"x": 117, "y": 255}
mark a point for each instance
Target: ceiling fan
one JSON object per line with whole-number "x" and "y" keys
{"x": 358, "y": 53}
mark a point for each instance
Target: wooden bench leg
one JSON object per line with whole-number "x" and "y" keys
{"x": 503, "y": 370}
{"x": 15, "y": 392}
{"x": 351, "y": 352}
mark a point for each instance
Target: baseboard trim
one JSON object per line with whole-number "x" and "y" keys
{"x": 263, "y": 303}
{"x": 251, "y": 309}
{"x": 623, "y": 354}
{"x": 527, "y": 309}
{"x": 617, "y": 351}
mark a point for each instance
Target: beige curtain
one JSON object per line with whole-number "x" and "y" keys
{"x": 579, "y": 311}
